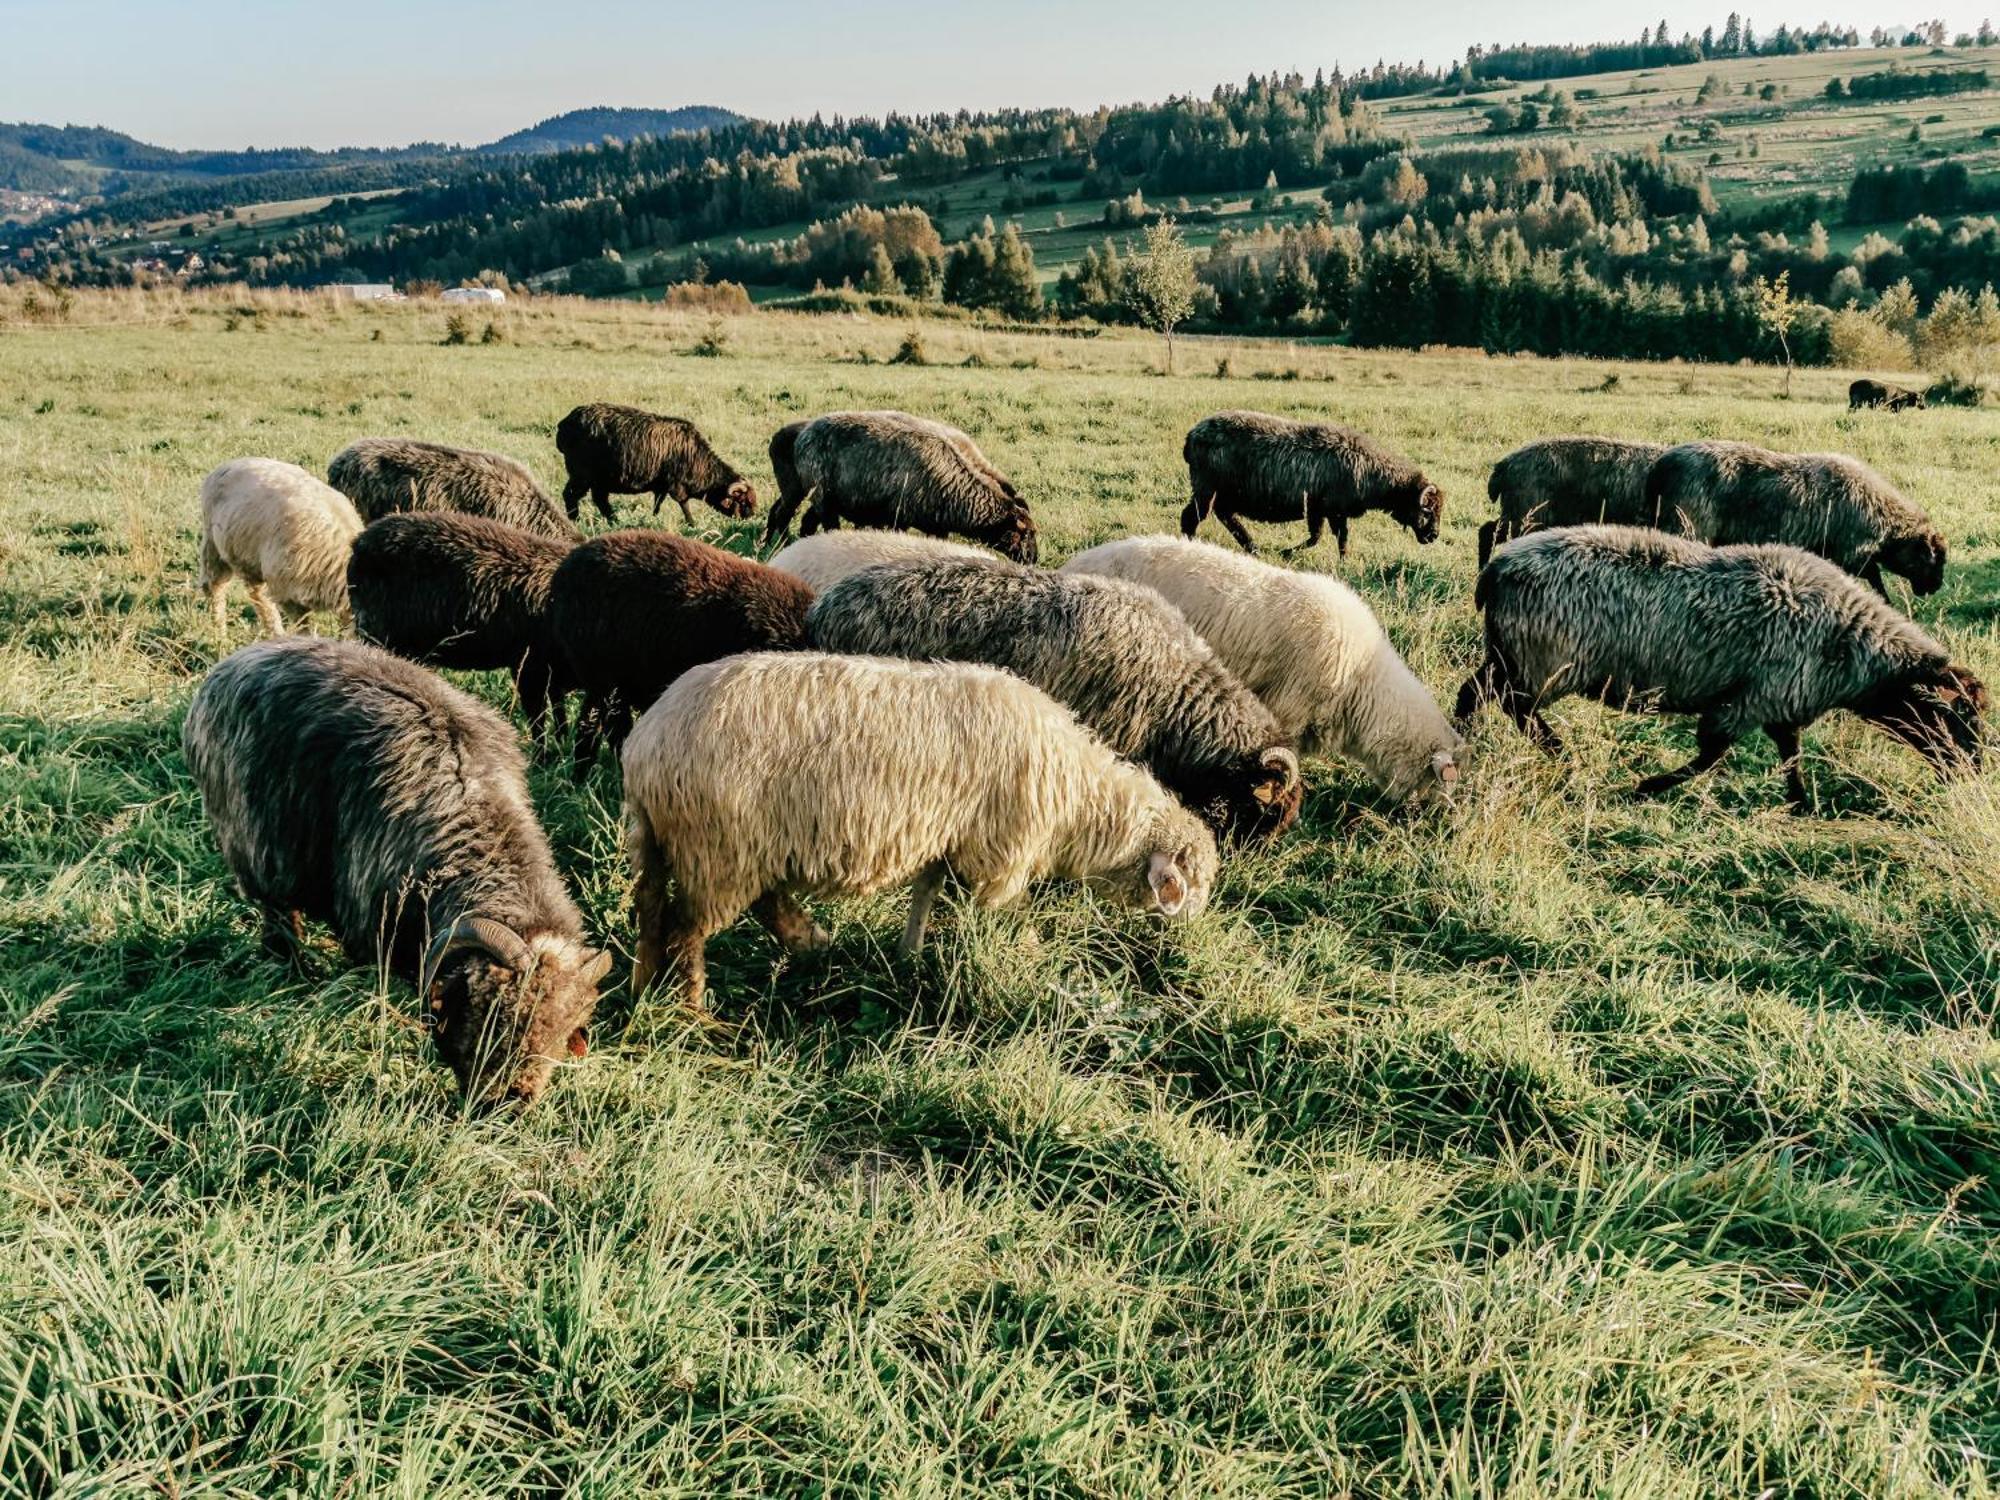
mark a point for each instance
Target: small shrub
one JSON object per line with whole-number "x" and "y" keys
{"x": 375, "y": 337}
{"x": 718, "y": 297}
{"x": 713, "y": 343}
{"x": 492, "y": 334}
{"x": 1957, "y": 387}
{"x": 48, "y": 405}
{"x": 457, "y": 330}
{"x": 977, "y": 361}
{"x": 1224, "y": 368}
{"x": 1609, "y": 384}
{"x": 911, "y": 351}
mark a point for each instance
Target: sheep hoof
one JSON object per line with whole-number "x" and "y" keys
{"x": 1656, "y": 786}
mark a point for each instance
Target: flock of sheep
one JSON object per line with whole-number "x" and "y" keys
{"x": 872, "y": 709}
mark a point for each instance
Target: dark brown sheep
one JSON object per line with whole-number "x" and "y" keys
{"x": 1873, "y": 393}
{"x": 1250, "y": 464}
{"x": 632, "y": 610}
{"x": 383, "y": 476}
{"x": 462, "y": 592}
{"x": 350, "y": 786}
{"x": 621, "y": 450}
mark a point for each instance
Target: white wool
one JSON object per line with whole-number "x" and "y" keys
{"x": 822, "y": 560}
{"x": 285, "y": 533}
{"x": 1308, "y": 646}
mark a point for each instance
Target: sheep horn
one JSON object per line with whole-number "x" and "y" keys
{"x": 1277, "y": 758}
{"x": 482, "y": 933}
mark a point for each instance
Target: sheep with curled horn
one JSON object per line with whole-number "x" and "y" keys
{"x": 346, "y": 785}
{"x": 622, "y": 450}
{"x": 385, "y": 475}
{"x": 1249, "y": 464}
{"x": 1115, "y": 653}
{"x": 1747, "y": 637}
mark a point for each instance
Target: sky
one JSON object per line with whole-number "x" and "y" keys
{"x": 226, "y": 74}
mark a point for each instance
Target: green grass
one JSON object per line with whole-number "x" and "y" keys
{"x": 1550, "y": 1144}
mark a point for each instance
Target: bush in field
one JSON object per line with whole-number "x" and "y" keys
{"x": 720, "y": 298}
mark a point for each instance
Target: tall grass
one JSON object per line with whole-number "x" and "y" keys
{"x": 1551, "y": 1144}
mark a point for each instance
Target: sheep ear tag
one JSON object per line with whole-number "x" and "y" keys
{"x": 1265, "y": 793}
{"x": 1169, "y": 885}
{"x": 579, "y": 1044}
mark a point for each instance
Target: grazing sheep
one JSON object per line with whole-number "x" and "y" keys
{"x": 1246, "y": 463}
{"x": 1569, "y": 481}
{"x": 1747, "y": 637}
{"x": 1874, "y": 393}
{"x": 385, "y": 475}
{"x": 632, "y": 610}
{"x": 1308, "y": 647}
{"x": 282, "y": 532}
{"x": 1838, "y": 507}
{"x": 350, "y": 786}
{"x": 825, "y": 559}
{"x": 1117, "y": 654}
{"x": 621, "y": 450}
{"x": 890, "y": 470}
{"x": 462, "y": 592}
{"x": 759, "y": 779}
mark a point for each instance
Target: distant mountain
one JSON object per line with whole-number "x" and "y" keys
{"x": 588, "y": 127}
{"x": 78, "y": 160}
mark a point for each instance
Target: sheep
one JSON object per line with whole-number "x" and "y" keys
{"x": 825, "y": 559}
{"x": 282, "y": 532}
{"x": 1308, "y": 647}
{"x": 756, "y": 780}
{"x": 1569, "y": 481}
{"x": 784, "y": 467}
{"x": 463, "y": 592}
{"x": 1756, "y": 636}
{"x": 621, "y": 450}
{"x": 385, "y": 475}
{"x": 632, "y": 610}
{"x": 347, "y": 785}
{"x": 1838, "y": 507}
{"x": 1873, "y": 393}
{"x": 1115, "y": 653}
{"x": 890, "y": 470}
{"x": 1247, "y": 463}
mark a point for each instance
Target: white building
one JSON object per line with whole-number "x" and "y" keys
{"x": 364, "y": 291}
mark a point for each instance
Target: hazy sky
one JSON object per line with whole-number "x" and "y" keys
{"x": 233, "y": 73}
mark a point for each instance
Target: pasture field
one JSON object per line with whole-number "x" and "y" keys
{"x": 1545, "y": 1144}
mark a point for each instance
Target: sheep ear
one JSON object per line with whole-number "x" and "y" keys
{"x": 1166, "y": 875}
{"x": 595, "y": 967}
{"x": 1445, "y": 766}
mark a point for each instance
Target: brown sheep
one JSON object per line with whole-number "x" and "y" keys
{"x": 621, "y": 450}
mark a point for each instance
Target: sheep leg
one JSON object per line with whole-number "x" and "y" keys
{"x": 572, "y": 495}
{"x": 1196, "y": 512}
{"x": 1340, "y": 535}
{"x": 1872, "y": 575}
{"x": 1235, "y": 528}
{"x": 671, "y": 932}
{"x": 1712, "y": 742}
{"x": 284, "y": 935}
{"x": 218, "y": 604}
{"x": 268, "y": 614}
{"x": 923, "y": 891}
{"x": 1786, "y": 738}
{"x": 687, "y": 516}
{"x": 1488, "y": 535}
{"x": 1497, "y": 681}
{"x": 601, "y": 498}
{"x": 790, "y": 923}
{"x": 531, "y": 686}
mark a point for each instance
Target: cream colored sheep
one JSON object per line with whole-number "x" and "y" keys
{"x": 1306, "y": 645}
{"x": 822, "y": 560}
{"x": 286, "y": 534}
{"x": 760, "y": 778}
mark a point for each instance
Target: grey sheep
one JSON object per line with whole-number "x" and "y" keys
{"x": 1747, "y": 637}
{"x": 1249, "y": 464}
{"x": 1569, "y": 481}
{"x": 621, "y": 450}
{"x": 385, "y": 475}
{"x": 350, "y": 786}
{"x": 892, "y": 470}
{"x": 466, "y": 593}
{"x": 1827, "y": 503}
{"x": 1873, "y": 393}
{"x": 1116, "y": 653}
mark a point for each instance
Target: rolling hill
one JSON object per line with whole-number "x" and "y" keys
{"x": 587, "y": 127}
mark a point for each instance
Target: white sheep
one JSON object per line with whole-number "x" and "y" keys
{"x": 763, "y": 777}
{"x": 286, "y": 534}
{"x": 1306, "y": 645}
{"x": 822, "y": 560}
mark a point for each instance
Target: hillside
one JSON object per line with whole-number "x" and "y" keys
{"x": 588, "y": 127}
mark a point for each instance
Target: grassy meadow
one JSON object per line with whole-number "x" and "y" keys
{"x": 1545, "y": 1144}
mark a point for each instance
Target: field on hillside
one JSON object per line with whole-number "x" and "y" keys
{"x": 1549, "y": 1143}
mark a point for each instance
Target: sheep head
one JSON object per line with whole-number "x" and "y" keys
{"x": 1016, "y": 537}
{"x": 1256, "y": 798}
{"x": 1936, "y": 713}
{"x": 1423, "y": 513}
{"x": 504, "y": 1010}
{"x": 1919, "y": 558}
{"x": 736, "y": 499}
